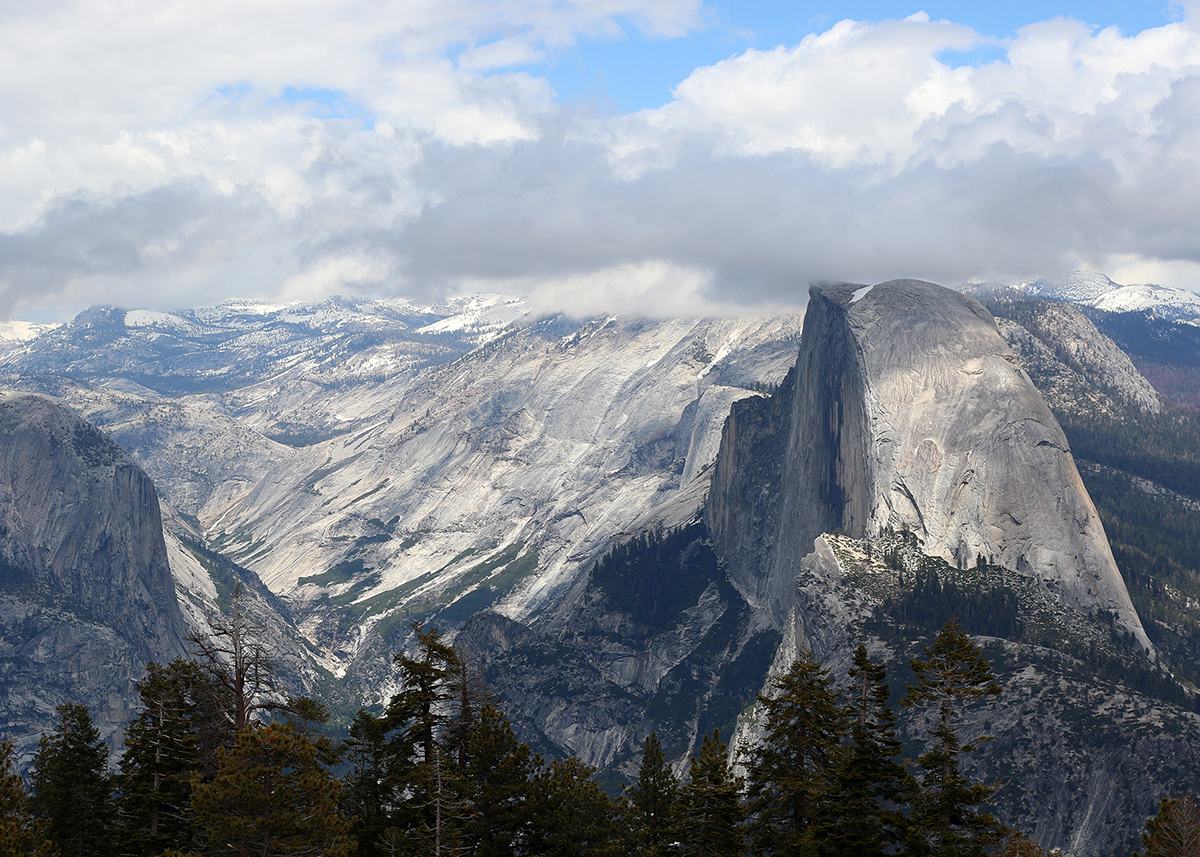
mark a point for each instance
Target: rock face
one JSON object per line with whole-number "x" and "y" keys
{"x": 907, "y": 410}
{"x": 86, "y": 592}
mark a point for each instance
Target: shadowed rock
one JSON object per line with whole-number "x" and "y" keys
{"x": 907, "y": 409}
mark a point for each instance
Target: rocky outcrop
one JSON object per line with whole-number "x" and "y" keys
{"x": 86, "y": 592}
{"x": 908, "y": 411}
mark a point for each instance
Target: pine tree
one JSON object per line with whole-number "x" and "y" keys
{"x": 872, "y": 784}
{"x": 572, "y": 816}
{"x": 377, "y": 773}
{"x": 1017, "y": 844}
{"x": 72, "y": 790}
{"x": 21, "y": 835}
{"x": 710, "y": 811}
{"x": 420, "y": 704}
{"x": 240, "y": 665}
{"x": 465, "y": 695}
{"x": 792, "y": 772}
{"x": 272, "y": 797}
{"x": 652, "y": 800}
{"x": 500, "y": 774}
{"x": 441, "y": 832}
{"x": 946, "y": 819}
{"x": 416, "y": 720}
{"x": 165, "y": 745}
{"x": 1175, "y": 831}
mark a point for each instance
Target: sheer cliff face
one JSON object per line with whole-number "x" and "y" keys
{"x": 907, "y": 410}
{"x": 86, "y": 593}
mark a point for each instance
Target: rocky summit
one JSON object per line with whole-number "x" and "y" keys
{"x": 86, "y": 591}
{"x": 630, "y": 525}
{"x": 907, "y": 410}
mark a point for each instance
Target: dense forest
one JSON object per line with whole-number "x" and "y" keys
{"x": 213, "y": 766}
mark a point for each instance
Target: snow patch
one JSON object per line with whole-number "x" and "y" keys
{"x": 859, "y": 294}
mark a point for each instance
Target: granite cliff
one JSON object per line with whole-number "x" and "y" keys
{"x": 907, "y": 410}
{"x": 86, "y": 591}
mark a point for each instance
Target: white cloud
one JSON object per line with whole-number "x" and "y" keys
{"x": 170, "y": 152}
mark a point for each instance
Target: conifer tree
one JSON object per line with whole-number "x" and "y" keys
{"x": 164, "y": 746}
{"x": 375, "y": 778}
{"x": 441, "y": 831}
{"x": 272, "y": 798}
{"x": 1175, "y": 831}
{"x": 420, "y": 704}
{"x": 872, "y": 784}
{"x": 572, "y": 816}
{"x": 500, "y": 774}
{"x": 72, "y": 790}
{"x": 416, "y": 719}
{"x": 710, "y": 811}
{"x": 465, "y": 695}
{"x": 652, "y": 799}
{"x": 791, "y": 774}
{"x": 240, "y": 666}
{"x": 946, "y": 818}
{"x": 21, "y": 835}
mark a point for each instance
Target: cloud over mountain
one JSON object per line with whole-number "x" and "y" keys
{"x": 169, "y": 154}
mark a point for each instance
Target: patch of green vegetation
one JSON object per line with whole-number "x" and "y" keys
{"x": 352, "y": 594}
{"x": 476, "y": 573}
{"x": 374, "y": 490}
{"x": 223, "y": 577}
{"x": 467, "y": 606}
{"x": 240, "y": 544}
{"x": 385, "y": 601}
{"x": 409, "y": 541}
{"x": 372, "y": 540}
{"x": 655, "y": 575}
{"x": 343, "y": 572}
{"x": 94, "y": 446}
{"x": 514, "y": 572}
{"x": 1155, "y": 539}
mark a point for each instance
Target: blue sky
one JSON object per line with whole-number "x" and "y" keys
{"x": 636, "y": 72}
{"x": 596, "y": 154}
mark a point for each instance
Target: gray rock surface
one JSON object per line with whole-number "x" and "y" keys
{"x": 908, "y": 411}
{"x": 86, "y": 592}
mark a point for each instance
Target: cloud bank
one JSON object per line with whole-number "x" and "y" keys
{"x": 167, "y": 154}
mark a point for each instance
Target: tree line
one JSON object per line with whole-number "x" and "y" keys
{"x": 213, "y": 766}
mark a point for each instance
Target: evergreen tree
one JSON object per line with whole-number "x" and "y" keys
{"x": 872, "y": 783}
{"x": 465, "y": 694}
{"x": 1017, "y": 844}
{"x": 416, "y": 720}
{"x": 946, "y": 819}
{"x": 375, "y": 778}
{"x": 72, "y": 790}
{"x": 21, "y": 835}
{"x": 420, "y": 704}
{"x": 793, "y": 771}
{"x": 240, "y": 666}
{"x": 572, "y": 816}
{"x": 165, "y": 745}
{"x": 1175, "y": 831}
{"x": 441, "y": 831}
{"x": 499, "y": 774}
{"x": 710, "y": 811}
{"x": 271, "y": 797}
{"x": 652, "y": 800}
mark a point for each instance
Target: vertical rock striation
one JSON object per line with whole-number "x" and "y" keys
{"x": 906, "y": 409}
{"x": 86, "y": 592}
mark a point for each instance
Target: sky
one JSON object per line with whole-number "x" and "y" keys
{"x": 657, "y": 156}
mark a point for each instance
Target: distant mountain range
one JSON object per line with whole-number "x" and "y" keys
{"x": 631, "y": 523}
{"x": 1086, "y": 288}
